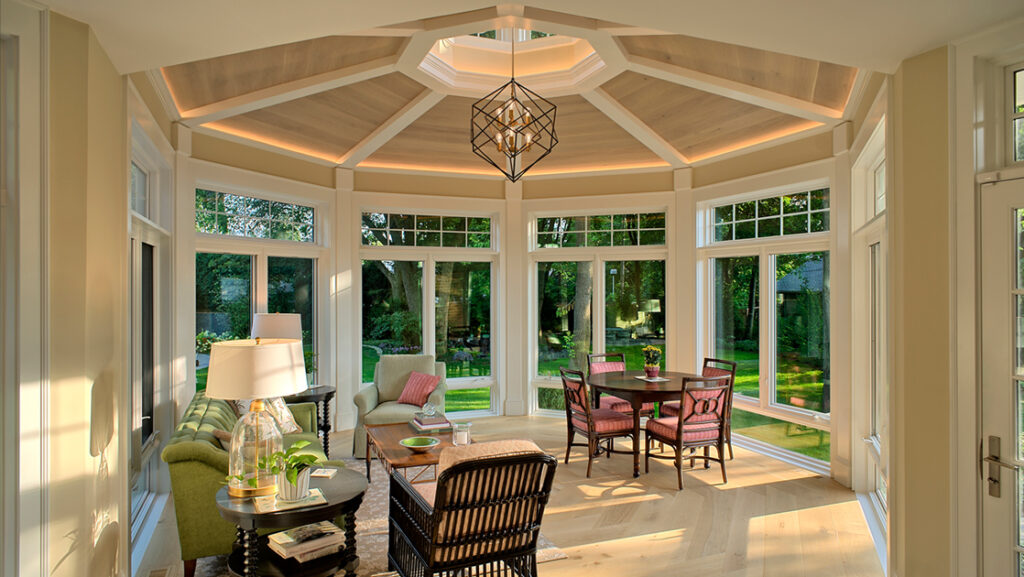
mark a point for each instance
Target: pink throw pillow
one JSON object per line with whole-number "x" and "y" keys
{"x": 418, "y": 388}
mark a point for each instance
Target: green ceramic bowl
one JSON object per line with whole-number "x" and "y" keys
{"x": 420, "y": 444}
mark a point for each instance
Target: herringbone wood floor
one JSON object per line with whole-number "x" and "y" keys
{"x": 770, "y": 519}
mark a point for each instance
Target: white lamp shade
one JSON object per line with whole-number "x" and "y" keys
{"x": 277, "y": 325}
{"x": 251, "y": 369}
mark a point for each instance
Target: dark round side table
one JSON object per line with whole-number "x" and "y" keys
{"x": 321, "y": 395}
{"x": 252, "y": 557}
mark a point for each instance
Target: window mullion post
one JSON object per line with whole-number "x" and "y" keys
{"x": 766, "y": 336}
{"x": 428, "y": 313}
{"x": 597, "y": 316}
{"x": 259, "y": 283}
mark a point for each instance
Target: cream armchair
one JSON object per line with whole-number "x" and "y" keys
{"x": 377, "y": 404}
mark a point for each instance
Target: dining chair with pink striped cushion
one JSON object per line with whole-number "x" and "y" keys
{"x": 700, "y": 425}
{"x": 597, "y": 425}
{"x": 712, "y": 368}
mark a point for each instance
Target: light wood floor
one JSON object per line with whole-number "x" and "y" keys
{"x": 770, "y": 519}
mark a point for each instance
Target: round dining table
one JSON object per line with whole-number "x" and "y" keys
{"x": 625, "y": 385}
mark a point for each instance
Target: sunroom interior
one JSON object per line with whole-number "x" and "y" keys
{"x": 800, "y": 193}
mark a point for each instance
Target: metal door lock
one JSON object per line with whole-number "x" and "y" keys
{"x": 995, "y": 466}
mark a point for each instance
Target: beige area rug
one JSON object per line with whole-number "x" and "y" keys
{"x": 371, "y": 532}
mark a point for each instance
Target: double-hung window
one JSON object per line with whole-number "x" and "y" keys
{"x": 429, "y": 283}
{"x": 599, "y": 285}
{"x": 765, "y": 258}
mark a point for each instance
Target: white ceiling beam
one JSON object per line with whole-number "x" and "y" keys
{"x": 163, "y": 93}
{"x": 390, "y": 128}
{"x": 618, "y": 113}
{"x": 734, "y": 90}
{"x": 289, "y": 91}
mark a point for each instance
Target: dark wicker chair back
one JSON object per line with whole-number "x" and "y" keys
{"x": 718, "y": 368}
{"x": 485, "y": 519}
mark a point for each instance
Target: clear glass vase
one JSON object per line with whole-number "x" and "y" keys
{"x": 254, "y": 439}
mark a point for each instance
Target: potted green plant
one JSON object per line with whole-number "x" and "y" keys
{"x": 292, "y": 470}
{"x": 652, "y": 361}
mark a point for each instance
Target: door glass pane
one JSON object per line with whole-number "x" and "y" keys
{"x": 634, "y": 305}
{"x": 140, "y": 190}
{"x": 802, "y": 330}
{"x": 564, "y": 295}
{"x": 1018, "y": 349}
{"x": 737, "y": 322}
{"x": 223, "y": 303}
{"x": 463, "y": 317}
{"x": 291, "y": 289}
{"x": 462, "y": 313}
{"x": 392, "y": 311}
{"x": 801, "y": 439}
{"x": 1018, "y": 137}
{"x": 1019, "y": 246}
{"x": 147, "y": 341}
{"x": 879, "y": 381}
{"x": 1020, "y": 420}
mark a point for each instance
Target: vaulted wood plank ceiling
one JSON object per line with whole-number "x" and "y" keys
{"x": 383, "y": 100}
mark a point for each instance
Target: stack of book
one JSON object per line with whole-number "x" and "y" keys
{"x": 308, "y": 542}
{"x": 423, "y": 422}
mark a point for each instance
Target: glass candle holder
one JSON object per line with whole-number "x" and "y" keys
{"x": 460, "y": 434}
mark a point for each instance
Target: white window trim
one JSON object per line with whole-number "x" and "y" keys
{"x": 1011, "y": 115}
{"x": 805, "y": 177}
{"x": 211, "y": 176}
{"x": 153, "y": 153}
{"x": 430, "y": 256}
{"x": 598, "y": 256}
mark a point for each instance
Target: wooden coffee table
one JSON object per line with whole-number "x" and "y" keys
{"x": 382, "y": 440}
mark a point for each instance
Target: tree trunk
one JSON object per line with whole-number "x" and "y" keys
{"x": 581, "y": 313}
{"x": 444, "y": 293}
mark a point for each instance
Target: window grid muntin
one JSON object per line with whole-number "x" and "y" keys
{"x": 426, "y": 230}
{"x": 754, "y": 216}
{"x": 647, "y": 228}
{"x": 260, "y": 224}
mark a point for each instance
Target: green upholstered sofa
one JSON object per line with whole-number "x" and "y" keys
{"x": 378, "y": 404}
{"x": 198, "y": 465}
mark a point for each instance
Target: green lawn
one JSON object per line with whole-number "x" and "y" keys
{"x": 633, "y": 354}
{"x": 804, "y": 440}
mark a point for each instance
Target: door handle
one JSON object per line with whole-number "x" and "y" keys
{"x": 995, "y": 466}
{"x": 995, "y": 461}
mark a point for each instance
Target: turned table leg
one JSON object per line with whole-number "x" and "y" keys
{"x": 637, "y": 404}
{"x": 250, "y": 542}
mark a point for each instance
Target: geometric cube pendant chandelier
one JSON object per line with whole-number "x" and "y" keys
{"x": 513, "y": 127}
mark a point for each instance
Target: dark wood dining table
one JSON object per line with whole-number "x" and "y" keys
{"x": 626, "y": 386}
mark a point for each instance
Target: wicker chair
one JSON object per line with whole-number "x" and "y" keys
{"x": 712, "y": 368}
{"x": 598, "y": 363}
{"x": 701, "y": 425}
{"x": 597, "y": 425}
{"x": 481, "y": 517}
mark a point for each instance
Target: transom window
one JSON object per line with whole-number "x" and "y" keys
{"x": 235, "y": 215}
{"x": 788, "y": 214}
{"x": 386, "y": 229}
{"x": 630, "y": 229}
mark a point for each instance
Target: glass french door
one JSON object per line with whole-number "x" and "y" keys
{"x": 1002, "y": 418}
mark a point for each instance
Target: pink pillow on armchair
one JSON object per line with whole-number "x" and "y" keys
{"x": 418, "y": 388}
